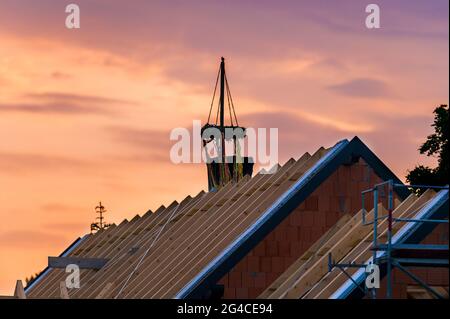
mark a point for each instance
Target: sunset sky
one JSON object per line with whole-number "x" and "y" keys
{"x": 85, "y": 114}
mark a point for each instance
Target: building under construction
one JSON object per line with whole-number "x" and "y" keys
{"x": 312, "y": 229}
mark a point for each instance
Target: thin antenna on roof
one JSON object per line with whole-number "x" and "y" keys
{"x": 100, "y": 210}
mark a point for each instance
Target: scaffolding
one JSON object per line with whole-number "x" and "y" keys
{"x": 397, "y": 255}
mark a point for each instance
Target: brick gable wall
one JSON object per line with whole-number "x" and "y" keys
{"x": 338, "y": 195}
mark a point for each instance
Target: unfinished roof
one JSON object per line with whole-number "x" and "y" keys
{"x": 350, "y": 241}
{"x": 181, "y": 251}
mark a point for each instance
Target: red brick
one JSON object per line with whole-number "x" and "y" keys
{"x": 305, "y": 246}
{"x": 307, "y": 219}
{"x": 280, "y": 234}
{"x": 284, "y": 223}
{"x": 324, "y": 203}
{"x": 355, "y": 205}
{"x": 271, "y": 236}
{"x": 298, "y": 232}
{"x": 271, "y": 248}
{"x": 265, "y": 264}
{"x": 397, "y": 290}
{"x": 312, "y": 203}
{"x": 292, "y": 218}
{"x": 253, "y": 293}
{"x": 421, "y": 273}
{"x": 229, "y": 293}
{"x": 235, "y": 279}
{"x": 330, "y": 219}
{"x": 241, "y": 293}
{"x": 248, "y": 280}
{"x": 224, "y": 280}
{"x": 344, "y": 173}
{"x": 241, "y": 265}
{"x": 356, "y": 173}
{"x": 260, "y": 249}
{"x": 277, "y": 264}
{"x": 326, "y": 187}
{"x": 354, "y": 189}
{"x": 271, "y": 277}
{"x": 284, "y": 248}
{"x": 344, "y": 204}
{"x": 260, "y": 280}
{"x": 399, "y": 276}
{"x": 295, "y": 218}
{"x": 296, "y": 247}
{"x": 316, "y": 233}
{"x": 320, "y": 218}
{"x": 289, "y": 261}
{"x": 334, "y": 204}
{"x": 291, "y": 233}
{"x": 302, "y": 206}
{"x": 253, "y": 263}
{"x": 305, "y": 234}
{"x": 437, "y": 277}
{"x": 362, "y": 186}
{"x": 318, "y": 192}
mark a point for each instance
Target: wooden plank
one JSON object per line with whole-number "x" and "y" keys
{"x": 19, "y": 292}
{"x": 64, "y": 294}
{"x": 321, "y": 250}
{"x": 123, "y": 260}
{"x": 169, "y": 250}
{"x": 362, "y": 252}
{"x": 338, "y": 251}
{"x": 417, "y": 292}
{"x": 305, "y": 284}
{"x": 101, "y": 238}
{"x": 317, "y": 266}
{"x": 52, "y": 279}
{"x": 172, "y": 240}
{"x": 225, "y": 218}
{"x": 283, "y": 278}
{"x": 227, "y": 229}
{"x": 121, "y": 246}
{"x": 187, "y": 241}
{"x": 105, "y": 291}
{"x": 114, "y": 244}
{"x": 122, "y": 269}
{"x": 82, "y": 263}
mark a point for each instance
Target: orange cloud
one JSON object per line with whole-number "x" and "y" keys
{"x": 85, "y": 114}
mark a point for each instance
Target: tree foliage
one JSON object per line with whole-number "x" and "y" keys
{"x": 436, "y": 145}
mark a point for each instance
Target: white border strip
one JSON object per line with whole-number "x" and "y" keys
{"x": 49, "y": 268}
{"x": 406, "y": 230}
{"x": 263, "y": 218}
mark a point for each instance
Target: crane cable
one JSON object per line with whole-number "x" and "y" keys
{"x": 214, "y": 95}
{"x": 231, "y": 99}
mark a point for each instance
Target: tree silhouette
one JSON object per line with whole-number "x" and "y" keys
{"x": 435, "y": 145}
